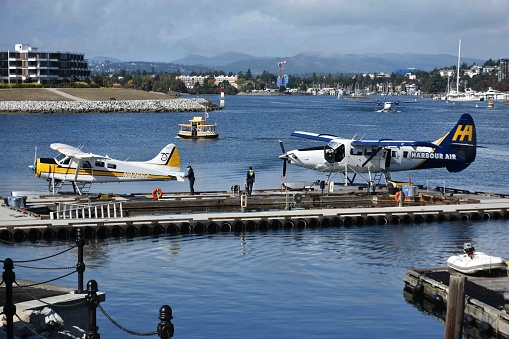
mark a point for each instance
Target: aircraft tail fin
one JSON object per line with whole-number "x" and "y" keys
{"x": 169, "y": 156}
{"x": 462, "y": 141}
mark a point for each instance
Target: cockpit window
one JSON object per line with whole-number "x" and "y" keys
{"x": 355, "y": 151}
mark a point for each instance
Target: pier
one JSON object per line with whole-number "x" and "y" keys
{"x": 107, "y": 215}
{"x": 483, "y": 313}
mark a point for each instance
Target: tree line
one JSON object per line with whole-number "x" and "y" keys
{"x": 427, "y": 82}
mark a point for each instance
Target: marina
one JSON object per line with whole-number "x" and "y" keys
{"x": 319, "y": 281}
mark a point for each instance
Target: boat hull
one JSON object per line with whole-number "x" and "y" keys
{"x": 203, "y": 136}
{"x": 477, "y": 263}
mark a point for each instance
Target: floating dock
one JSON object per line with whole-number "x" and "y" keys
{"x": 484, "y": 313}
{"x": 108, "y": 215}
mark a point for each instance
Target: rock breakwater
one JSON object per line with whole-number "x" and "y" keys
{"x": 109, "y": 106}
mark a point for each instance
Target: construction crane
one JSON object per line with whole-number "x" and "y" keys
{"x": 280, "y": 64}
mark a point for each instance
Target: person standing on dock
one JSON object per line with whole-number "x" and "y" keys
{"x": 250, "y": 179}
{"x": 190, "y": 176}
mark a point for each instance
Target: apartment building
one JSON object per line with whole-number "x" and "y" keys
{"x": 189, "y": 81}
{"x": 28, "y": 64}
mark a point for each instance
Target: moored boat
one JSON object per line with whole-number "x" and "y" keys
{"x": 197, "y": 128}
{"x": 475, "y": 262}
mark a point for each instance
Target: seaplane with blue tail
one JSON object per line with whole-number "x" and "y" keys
{"x": 372, "y": 159}
{"x": 81, "y": 169}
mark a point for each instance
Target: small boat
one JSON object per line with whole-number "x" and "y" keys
{"x": 197, "y": 128}
{"x": 491, "y": 104}
{"x": 474, "y": 262}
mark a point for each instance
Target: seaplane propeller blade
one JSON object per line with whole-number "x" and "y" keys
{"x": 284, "y": 158}
{"x": 282, "y": 147}
{"x": 32, "y": 167}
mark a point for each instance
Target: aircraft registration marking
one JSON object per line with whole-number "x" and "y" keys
{"x": 135, "y": 175}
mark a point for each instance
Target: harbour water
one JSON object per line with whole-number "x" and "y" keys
{"x": 320, "y": 283}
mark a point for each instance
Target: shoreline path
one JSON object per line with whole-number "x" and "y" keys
{"x": 68, "y": 96}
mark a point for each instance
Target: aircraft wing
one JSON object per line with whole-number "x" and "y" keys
{"x": 392, "y": 143}
{"x": 314, "y": 136}
{"x": 74, "y": 152}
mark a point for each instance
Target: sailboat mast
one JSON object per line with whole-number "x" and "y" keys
{"x": 458, "y": 69}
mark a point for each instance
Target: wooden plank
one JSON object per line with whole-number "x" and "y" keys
{"x": 455, "y": 306}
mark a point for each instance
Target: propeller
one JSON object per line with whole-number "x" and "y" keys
{"x": 284, "y": 157}
{"x": 32, "y": 167}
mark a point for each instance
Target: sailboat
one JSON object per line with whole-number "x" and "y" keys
{"x": 456, "y": 95}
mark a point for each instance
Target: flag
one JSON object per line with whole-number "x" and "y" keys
{"x": 206, "y": 114}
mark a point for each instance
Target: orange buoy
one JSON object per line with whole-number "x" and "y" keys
{"x": 157, "y": 193}
{"x": 396, "y": 196}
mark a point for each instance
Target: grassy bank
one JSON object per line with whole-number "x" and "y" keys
{"x": 94, "y": 94}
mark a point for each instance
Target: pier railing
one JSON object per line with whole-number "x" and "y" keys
{"x": 89, "y": 298}
{"x": 91, "y": 210}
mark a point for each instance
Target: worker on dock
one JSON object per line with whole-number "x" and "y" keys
{"x": 250, "y": 179}
{"x": 190, "y": 176}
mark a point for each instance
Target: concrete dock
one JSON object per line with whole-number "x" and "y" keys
{"x": 213, "y": 212}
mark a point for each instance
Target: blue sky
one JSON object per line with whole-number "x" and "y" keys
{"x": 166, "y": 30}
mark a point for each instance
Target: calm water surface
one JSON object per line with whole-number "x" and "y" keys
{"x": 313, "y": 283}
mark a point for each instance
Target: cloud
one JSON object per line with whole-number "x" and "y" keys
{"x": 162, "y": 30}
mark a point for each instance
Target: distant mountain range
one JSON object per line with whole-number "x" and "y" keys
{"x": 301, "y": 64}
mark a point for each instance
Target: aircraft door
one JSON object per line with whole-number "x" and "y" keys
{"x": 385, "y": 159}
{"x": 334, "y": 152}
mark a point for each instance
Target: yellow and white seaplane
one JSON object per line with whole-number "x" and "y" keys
{"x": 82, "y": 169}
{"x": 455, "y": 151}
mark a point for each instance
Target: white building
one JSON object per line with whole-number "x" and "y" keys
{"x": 26, "y": 63}
{"x": 189, "y": 81}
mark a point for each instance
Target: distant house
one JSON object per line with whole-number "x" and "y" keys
{"x": 28, "y": 64}
{"x": 117, "y": 85}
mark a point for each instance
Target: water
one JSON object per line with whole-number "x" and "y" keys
{"x": 321, "y": 283}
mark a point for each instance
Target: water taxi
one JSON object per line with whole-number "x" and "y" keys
{"x": 197, "y": 128}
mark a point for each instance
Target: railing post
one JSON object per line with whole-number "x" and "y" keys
{"x": 165, "y": 328}
{"x": 92, "y": 301}
{"x": 80, "y": 265}
{"x": 9, "y": 309}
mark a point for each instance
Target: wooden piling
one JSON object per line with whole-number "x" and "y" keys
{"x": 455, "y": 307}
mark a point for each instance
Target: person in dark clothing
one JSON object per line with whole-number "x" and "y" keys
{"x": 250, "y": 179}
{"x": 190, "y": 176}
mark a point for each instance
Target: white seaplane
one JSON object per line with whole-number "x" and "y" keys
{"x": 455, "y": 151}
{"x": 82, "y": 169}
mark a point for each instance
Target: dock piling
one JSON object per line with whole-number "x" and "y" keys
{"x": 455, "y": 307}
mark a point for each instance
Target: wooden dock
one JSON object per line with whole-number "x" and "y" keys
{"x": 484, "y": 314}
{"x": 109, "y": 215}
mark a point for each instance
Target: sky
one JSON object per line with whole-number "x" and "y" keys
{"x": 167, "y": 30}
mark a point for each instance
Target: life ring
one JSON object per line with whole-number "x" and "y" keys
{"x": 157, "y": 193}
{"x": 396, "y": 196}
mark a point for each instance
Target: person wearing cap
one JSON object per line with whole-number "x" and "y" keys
{"x": 190, "y": 176}
{"x": 250, "y": 179}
